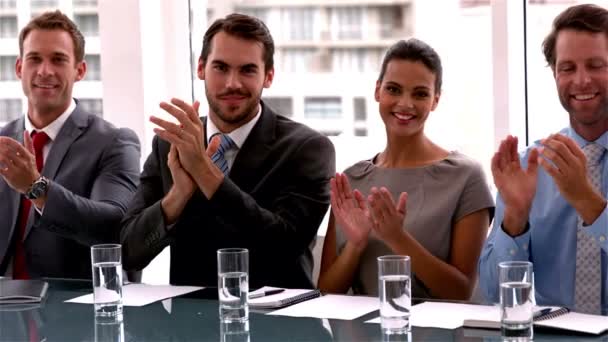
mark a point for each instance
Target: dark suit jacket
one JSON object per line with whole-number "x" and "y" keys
{"x": 94, "y": 171}
{"x": 272, "y": 203}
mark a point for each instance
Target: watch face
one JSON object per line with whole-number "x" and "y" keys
{"x": 38, "y": 189}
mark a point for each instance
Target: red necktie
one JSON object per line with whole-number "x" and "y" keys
{"x": 19, "y": 264}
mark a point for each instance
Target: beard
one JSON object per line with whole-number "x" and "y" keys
{"x": 231, "y": 116}
{"x": 586, "y": 119}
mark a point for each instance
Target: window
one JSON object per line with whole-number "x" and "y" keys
{"x": 322, "y": 107}
{"x": 260, "y": 13}
{"x": 391, "y": 21}
{"x": 348, "y": 21}
{"x": 93, "y": 68}
{"x": 8, "y": 27}
{"x": 360, "y": 132}
{"x": 10, "y": 109}
{"x": 299, "y": 23}
{"x": 8, "y": 4}
{"x": 88, "y": 24}
{"x": 474, "y": 3}
{"x": 296, "y": 60}
{"x": 93, "y": 106}
{"x": 348, "y": 60}
{"x": 85, "y": 3}
{"x": 39, "y": 6}
{"x": 360, "y": 109}
{"x": 281, "y": 105}
{"x": 7, "y": 68}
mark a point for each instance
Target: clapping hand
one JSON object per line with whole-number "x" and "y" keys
{"x": 516, "y": 186}
{"x": 350, "y": 211}
{"x": 387, "y": 216}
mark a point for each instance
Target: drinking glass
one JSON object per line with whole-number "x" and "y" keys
{"x": 107, "y": 280}
{"x": 233, "y": 284}
{"x": 394, "y": 287}
{"x": 516, "y": 300}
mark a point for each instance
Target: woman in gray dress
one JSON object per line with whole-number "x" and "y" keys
{"x": 414, "y": 198}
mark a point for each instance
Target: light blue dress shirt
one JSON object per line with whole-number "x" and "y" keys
{"x": 550, "y": 243}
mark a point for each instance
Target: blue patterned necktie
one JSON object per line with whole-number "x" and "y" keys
{"x": 218, "y": 157}
{"x": 587, "y": 279}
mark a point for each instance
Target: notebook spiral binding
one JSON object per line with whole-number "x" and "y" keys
{"x": 553, "y": 314}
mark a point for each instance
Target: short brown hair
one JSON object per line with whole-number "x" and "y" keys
{"x": 244, "y": 27}
{"x": 55, "y": 21}
{"x": 587, "y": 17}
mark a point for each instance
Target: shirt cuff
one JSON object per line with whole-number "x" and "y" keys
{"x": 599, "y": 229}
{"x": 513, "y": 248}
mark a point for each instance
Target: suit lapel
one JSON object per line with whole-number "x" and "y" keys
{"x": 74, "y": 126}
{"x": 255, "y": 150}
{"x": 13, "y": 198}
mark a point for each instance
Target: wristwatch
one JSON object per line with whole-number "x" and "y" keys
{"x": 38, "y": 188}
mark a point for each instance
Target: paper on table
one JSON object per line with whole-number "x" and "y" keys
{"x": 445, "y": 315}
{"x": 331, "y": 306}
{"x": 574, "y": 321}
{"x": 142, "y": 294}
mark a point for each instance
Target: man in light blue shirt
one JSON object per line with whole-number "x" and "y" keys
{"x": 540, "y": 209}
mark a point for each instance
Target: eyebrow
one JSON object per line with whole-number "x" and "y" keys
{"x": 244, "y": 66}
{"x": 418, "y": 87}
{"x": 55, "y": 54}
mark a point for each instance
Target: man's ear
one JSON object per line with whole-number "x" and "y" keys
{"x": 268, "y": 78}
{"x": 81, "y": 70}
{"x": 18, "y": 66}
{"x": 200, "y": 69}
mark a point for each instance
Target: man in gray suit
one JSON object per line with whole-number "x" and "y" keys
{"x": 66, "y": 176}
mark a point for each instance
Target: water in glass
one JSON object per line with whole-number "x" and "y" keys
{"x": 107, "y": 288}
{"x": 517, "y": 309}
{"x": 395, "y": 303}
{"x": 233, "y": 289}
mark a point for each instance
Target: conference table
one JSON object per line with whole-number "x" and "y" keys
{"x": 194, "y": 317}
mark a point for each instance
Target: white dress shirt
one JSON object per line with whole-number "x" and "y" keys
{"x": 52, "y": 129}
{"x": 239, "y": 136}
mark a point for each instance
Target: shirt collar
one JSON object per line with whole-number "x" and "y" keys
{"x": 580, "y": 141}
{"x": 52, "y": 129}
{"x": 239, "y": 135}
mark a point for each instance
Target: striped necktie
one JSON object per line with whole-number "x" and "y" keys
{"x": 218, "y": 157}
{"x": 587, "y": 279}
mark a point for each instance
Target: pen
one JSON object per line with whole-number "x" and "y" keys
{"x": 541, "y": 313}
{"x": 265, "y": 293}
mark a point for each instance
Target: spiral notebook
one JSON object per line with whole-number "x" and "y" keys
{"x": 22, "y": 291}
{"x": 551, "y": 317}
{"x": 282, "y": 299}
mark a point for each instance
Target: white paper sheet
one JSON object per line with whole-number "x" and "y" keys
{"x": 445, "y": 315}
{"x": 142, "y": 294}
{"x": 332, "y": 307}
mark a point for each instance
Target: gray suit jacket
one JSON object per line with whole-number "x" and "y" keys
{"x": 94, "y": 171}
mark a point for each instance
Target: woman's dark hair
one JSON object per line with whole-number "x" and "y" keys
{"x": 414, "y": 50}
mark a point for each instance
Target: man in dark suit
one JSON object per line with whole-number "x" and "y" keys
{"x": 241, "y": 177}
{"x": 66, "y": 175}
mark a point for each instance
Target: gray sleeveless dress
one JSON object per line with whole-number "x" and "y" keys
{"x": 438, "y": 195}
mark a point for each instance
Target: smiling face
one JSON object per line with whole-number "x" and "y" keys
{"x": 48, "y": 70}
{"x": 234, "y": 77}
{"x": 406, "y": 95}
{"x": 581, "y": 76}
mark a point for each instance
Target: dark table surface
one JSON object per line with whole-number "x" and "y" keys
{"x": 194, "y": 317}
